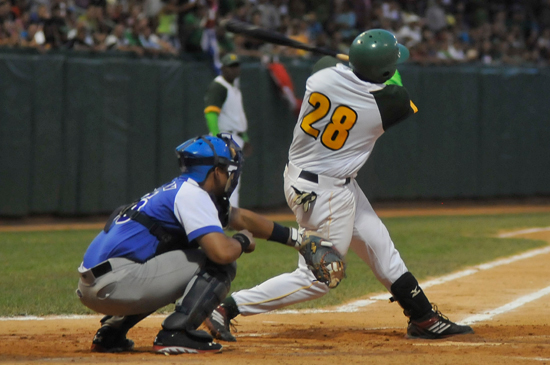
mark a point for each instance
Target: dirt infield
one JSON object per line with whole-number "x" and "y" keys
{"x": 513, "y": 296}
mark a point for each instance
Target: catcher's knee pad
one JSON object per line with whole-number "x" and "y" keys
{"x": 410, "y": 296}
{"x": 203, "y": 294}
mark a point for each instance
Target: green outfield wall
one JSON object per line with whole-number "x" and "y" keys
{"x": 82, "y": 134}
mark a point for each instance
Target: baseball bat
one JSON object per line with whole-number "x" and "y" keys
{"x": 252, "y": 31}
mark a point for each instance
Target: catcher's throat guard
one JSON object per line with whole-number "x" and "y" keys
{"x": 322, "y": 258}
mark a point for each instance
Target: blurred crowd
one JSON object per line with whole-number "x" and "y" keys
{"x": 490, "y": 32}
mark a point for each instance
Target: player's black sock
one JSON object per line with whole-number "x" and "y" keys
{"x": 231, "y": 308}
{"x": 411, "y": 297}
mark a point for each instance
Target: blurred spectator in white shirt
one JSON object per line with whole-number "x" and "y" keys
{"x": 410, "y": 34}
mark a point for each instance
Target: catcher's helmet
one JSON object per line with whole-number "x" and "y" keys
{"x": 374, "y": 54}
{"x": 198, "y": 156}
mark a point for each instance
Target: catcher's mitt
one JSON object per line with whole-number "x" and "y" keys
{"x": 324, "y": 261}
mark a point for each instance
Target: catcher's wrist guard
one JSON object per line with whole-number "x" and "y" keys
{"x": 243, "y": 240}
{"x": 322, "y": 258}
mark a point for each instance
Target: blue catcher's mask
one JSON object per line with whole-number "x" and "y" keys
{"x": 198, "y": 156}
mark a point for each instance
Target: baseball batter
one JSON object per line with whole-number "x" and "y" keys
{"x": 345, "y": 110}
{"x": 169, "y": 247}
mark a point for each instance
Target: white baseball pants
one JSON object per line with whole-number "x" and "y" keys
{"x": 342, "y": 214}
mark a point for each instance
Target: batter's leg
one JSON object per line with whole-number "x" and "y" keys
{"x": 280, "y": 291}
{"x": 372, "y": 243}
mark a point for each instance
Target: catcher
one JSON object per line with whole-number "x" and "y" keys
{"x": 345, "y": 110}
{"x": 169, "y": 247}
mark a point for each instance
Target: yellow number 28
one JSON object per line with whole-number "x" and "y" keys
{"x": 336, "y": 132}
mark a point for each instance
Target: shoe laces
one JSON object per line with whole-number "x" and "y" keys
{"x": 232, "y": 325}
{"x": 438, "y": 312}
{"x": 229, "y": 324}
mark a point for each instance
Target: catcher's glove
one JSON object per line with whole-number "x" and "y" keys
{"x": 324, "y": 261}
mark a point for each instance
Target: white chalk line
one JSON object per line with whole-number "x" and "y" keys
{"x": 459, "y": 344}
{"x": 361, "y": 303}
{"x": 485, "y": 316}
{"x": 532, "y": 358}
{"x": 523, "y": 231}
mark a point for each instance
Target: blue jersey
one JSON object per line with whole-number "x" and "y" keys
{"x": 182, "y": 207}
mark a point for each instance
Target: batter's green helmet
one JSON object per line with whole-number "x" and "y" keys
{"x": 374, "y": 55}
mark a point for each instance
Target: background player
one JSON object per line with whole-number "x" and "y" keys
{"x": 345, "y": 110}
{"x": 170, "y": 247}
{"x": 224, "y": 111}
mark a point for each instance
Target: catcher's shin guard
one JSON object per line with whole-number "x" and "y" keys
{"x": 410, "y": 296}
{"x": 205, "y": 291}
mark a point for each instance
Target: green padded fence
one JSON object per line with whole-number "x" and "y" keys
{"x": 82, "y": 134}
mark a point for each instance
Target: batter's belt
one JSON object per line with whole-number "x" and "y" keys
{"x": 296, "y": 173}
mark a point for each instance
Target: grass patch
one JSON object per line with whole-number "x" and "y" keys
{"x": 39, "y": 269}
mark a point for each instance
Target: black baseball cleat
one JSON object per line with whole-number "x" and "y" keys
{"x": 218, "y": 324}
{"x": 434, "y": 326}
{"x": 110, "y": 339}
{"x": 181, "y": 342}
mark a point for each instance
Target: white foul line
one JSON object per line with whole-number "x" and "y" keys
{"x": 523, "y": 231}
{"x": 507, "y": 307}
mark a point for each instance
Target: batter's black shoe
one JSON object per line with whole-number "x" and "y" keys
{"x": 434, "y": 326}
{"x": 110, "y": 339}
{"x": 218, "y": 323}
{"x": 181, "y": 342}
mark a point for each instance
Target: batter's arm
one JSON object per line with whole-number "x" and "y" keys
{"x": 394, "y": 104}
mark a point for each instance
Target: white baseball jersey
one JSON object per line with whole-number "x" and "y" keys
{"x": 232, "y": 117}
{"x": 336, "y": 132}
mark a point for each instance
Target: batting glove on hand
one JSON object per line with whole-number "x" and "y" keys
{"x": 295, "y": 238}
